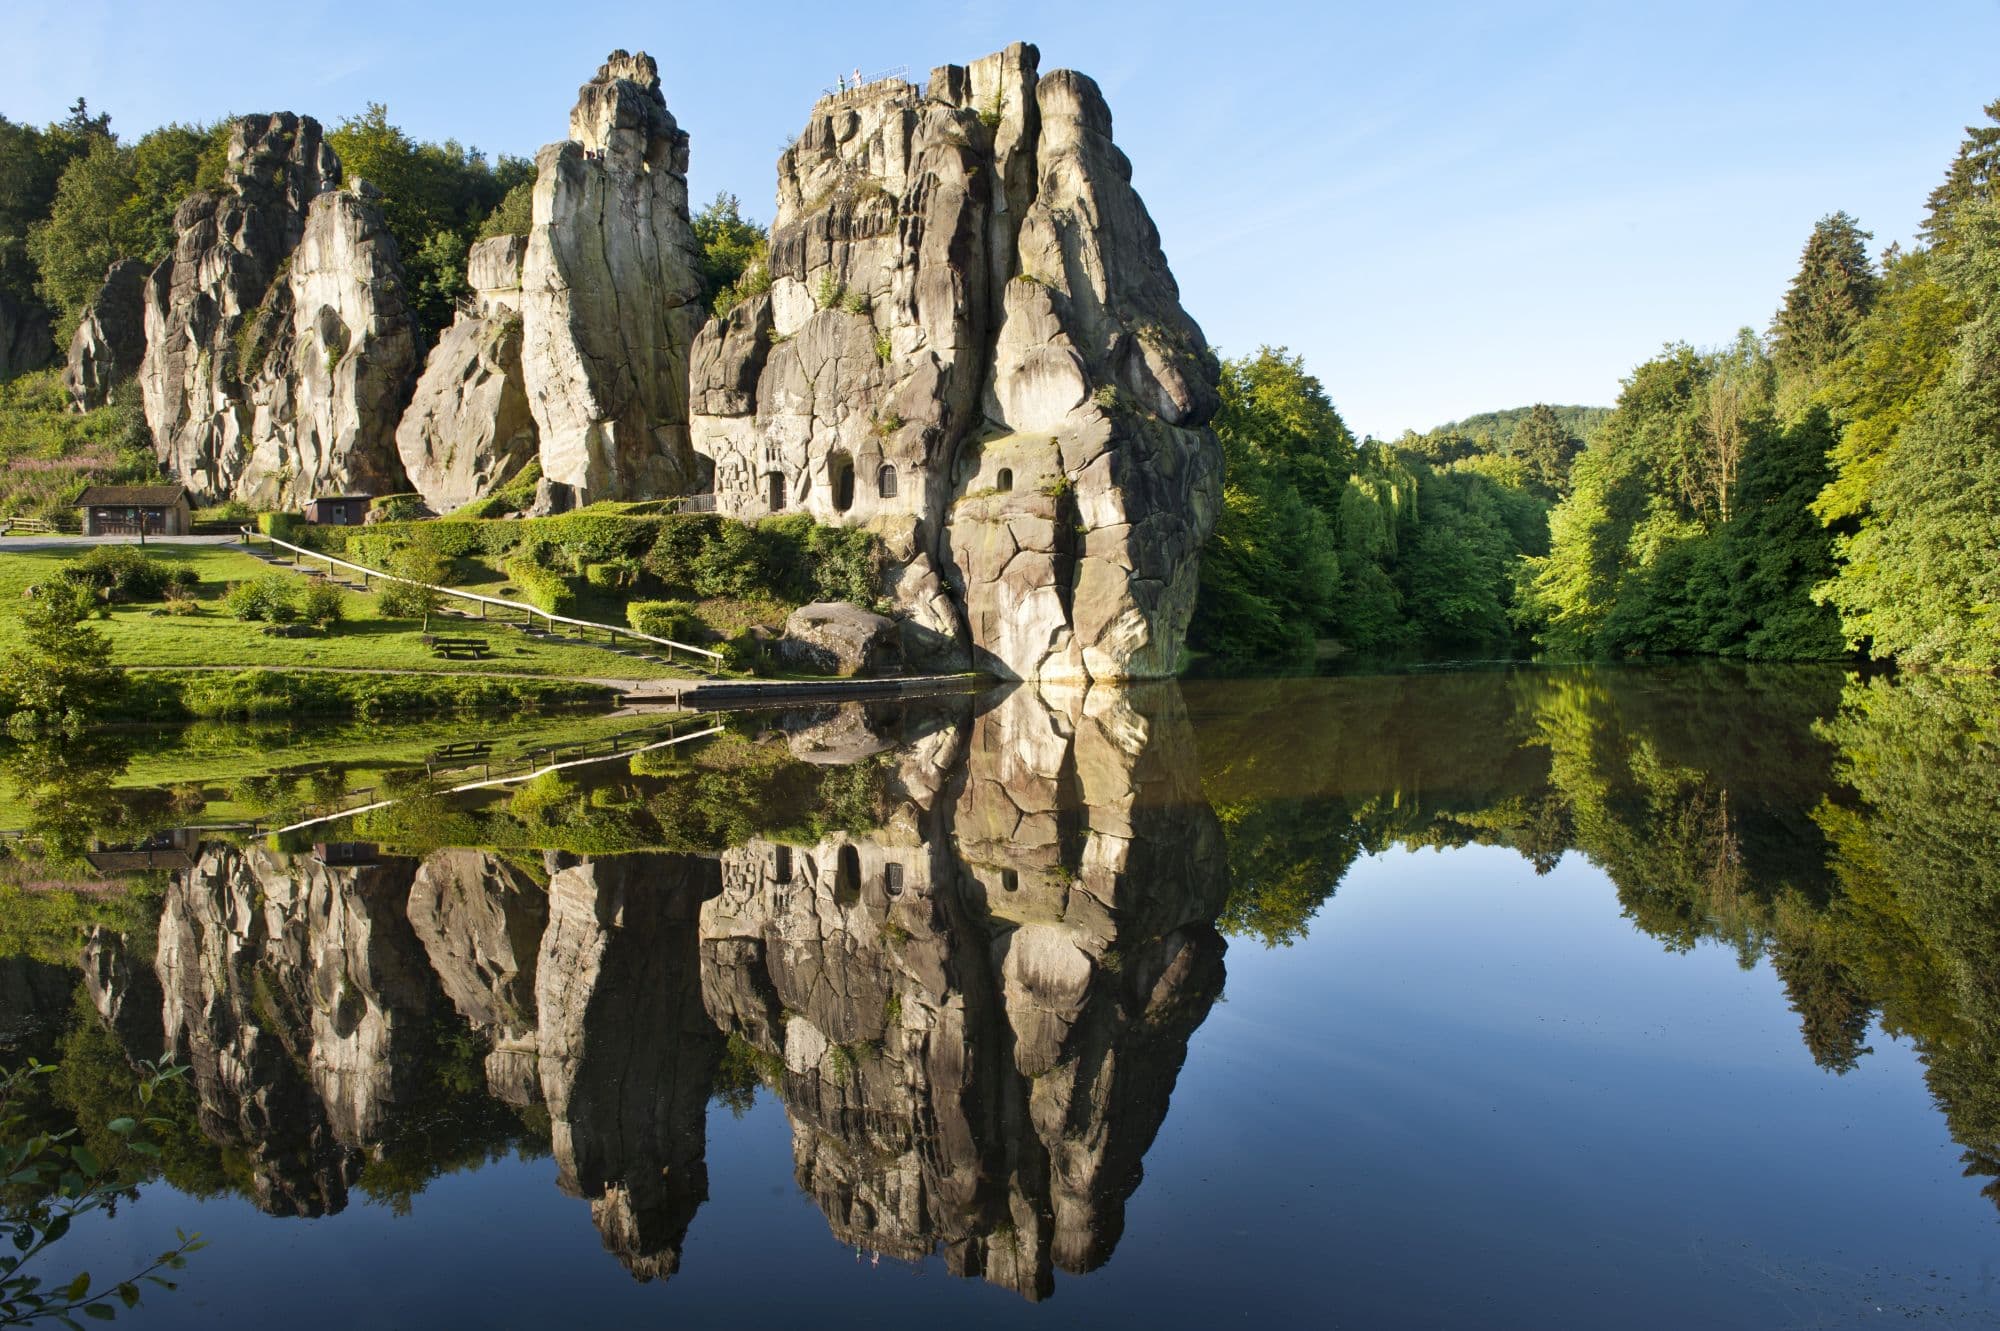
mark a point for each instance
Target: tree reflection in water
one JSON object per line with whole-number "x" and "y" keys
{"x": 966, "y": 943}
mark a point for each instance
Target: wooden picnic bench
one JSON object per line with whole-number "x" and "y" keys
{"x": 456, "y": 648}
{"x": 471, "y": 748}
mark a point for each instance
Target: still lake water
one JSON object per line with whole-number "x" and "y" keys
{"x": 1515, "y": 998}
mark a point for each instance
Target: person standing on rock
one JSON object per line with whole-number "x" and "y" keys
{"x": 840, "y": 83}
{"x": 857, "y": 76}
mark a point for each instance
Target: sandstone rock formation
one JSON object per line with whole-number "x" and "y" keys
{"x": 111, "y": 339}
{"x": 480, "y": 920}
{"x": 976, "y": 1046}
{"x": 609, "y": 295}
{"x": 973, "y": 1001}
{"x": 972, "y": 343}
{"x": 230, "y": 248}
{"x": 835, "y": 638}
{"x": 627, "y": 1053}
{"x": 293, "y": 990}
{"x": 468, "y": 428}
{"x": 332, "y": 355}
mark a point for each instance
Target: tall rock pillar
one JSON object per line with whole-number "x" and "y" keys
{"x": 610, "y": 295}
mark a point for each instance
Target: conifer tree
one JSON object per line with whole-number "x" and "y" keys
{"x": 1832, "y": 293}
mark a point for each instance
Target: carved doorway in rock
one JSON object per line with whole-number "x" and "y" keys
{"x": 840, "y": 470}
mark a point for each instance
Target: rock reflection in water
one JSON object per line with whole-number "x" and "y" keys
{"x": 973, "y": 1005}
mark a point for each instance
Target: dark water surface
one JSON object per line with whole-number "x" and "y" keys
{"x": 1650, "y": 998}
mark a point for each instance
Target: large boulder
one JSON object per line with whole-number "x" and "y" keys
{"x": 835, "y": 638}
{"x": 469, "y": 428}
{"x": 110, "y": 340}
{"x": 973, "y": 345}
{"x": 230, "y": 248}
{"x": 610, "y": 290}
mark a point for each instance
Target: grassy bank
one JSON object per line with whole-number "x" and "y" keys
{"x": 364, "y": 639}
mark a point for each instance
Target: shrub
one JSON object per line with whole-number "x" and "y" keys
{"x": 665, "y": 619}
{"x": 122, "y": 573}
{"x": 397, "y": 508}
{"x": 541, "y": 587}
{"x": 405, "y": 600}
{"x": 272, "y": 598}
{"x": 283, "y": 526}
{"x": 323, "y": 604}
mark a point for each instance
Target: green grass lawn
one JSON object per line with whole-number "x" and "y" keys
{"x": 364, "y": 640}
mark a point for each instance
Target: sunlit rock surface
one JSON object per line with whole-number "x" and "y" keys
{"x": 973, "y": 344}
{"x": 609, "y": 295}
{"x": 468, "y": 428}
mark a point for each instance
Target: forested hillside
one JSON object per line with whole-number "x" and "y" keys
{"x": 1832, "y": 486}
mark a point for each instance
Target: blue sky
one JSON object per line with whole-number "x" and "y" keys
{"x": 1444, "y": 207}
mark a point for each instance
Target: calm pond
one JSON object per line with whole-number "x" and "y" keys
{"x": 1538, "y": 998}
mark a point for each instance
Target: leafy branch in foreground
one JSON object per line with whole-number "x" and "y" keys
{"x": 52, "y": 1178}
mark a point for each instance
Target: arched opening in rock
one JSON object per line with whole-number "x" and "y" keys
{"x": 782, "y": 870}
{"x": 847, "y": 876}
{"x": 840, "y": 469}
{"x": 892, "y": 879}
{"x": 1005, "y": 480}
{"x": 777, "y": 496}
{"x": 1010, "y": 881}
{"x": 885, "y": 482}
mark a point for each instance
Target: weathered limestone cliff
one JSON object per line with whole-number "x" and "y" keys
{"x": 973, "y": 344}
{"x": 332, "y": 355}
{"x": 468, "y": 428}
{"x": 110, "y": 340}
{"x": 609, "y": 295}
{"x": 278, "y": 349}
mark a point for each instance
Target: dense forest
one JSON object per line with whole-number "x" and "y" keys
{"x": 1830, "y": 486}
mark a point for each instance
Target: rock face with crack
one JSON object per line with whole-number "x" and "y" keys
{"x": 230, "y": 249}
{"x": 278, "y": 349}
{"x": 468, "y": 428}
{"x": 295, "y": 992}
{"x": 110, "y": 340}
{"x": 972, "y": 343}
{"x": 609, "y": 295}
{"x": 335, "y": 352}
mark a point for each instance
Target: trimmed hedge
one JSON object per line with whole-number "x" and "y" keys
{"x": 666, "y": 619}
{"x": 541, "y": 587}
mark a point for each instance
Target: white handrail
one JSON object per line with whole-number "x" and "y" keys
{"x": 251, "y": 534}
